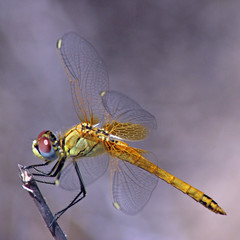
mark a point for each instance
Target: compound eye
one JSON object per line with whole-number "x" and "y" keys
{"x": 46, "y": 149}
{"x": 42, "y": 133}
{"x": 44, "y": 145}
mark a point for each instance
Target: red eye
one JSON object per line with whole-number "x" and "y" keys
{"x": 41, "y": 133}
{"x": 44, "y": 145}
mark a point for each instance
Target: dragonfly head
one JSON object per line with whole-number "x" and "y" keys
{"x": 45, "y": 146}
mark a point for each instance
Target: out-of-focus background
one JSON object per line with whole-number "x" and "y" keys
{"x": 179, "y": 59}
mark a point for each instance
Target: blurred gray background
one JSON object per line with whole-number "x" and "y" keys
{"x": 178, "y": 59}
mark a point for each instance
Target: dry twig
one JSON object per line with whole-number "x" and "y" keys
{"x": 30, "y": 185}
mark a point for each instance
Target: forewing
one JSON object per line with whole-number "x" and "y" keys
{"x": 87, "y": 75}
{"x": 132, "y": 187}
{"x": 126, "y": 119}
{"x": 91, "y": 168}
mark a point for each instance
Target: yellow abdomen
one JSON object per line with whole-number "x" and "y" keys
{"x": 134, "y": 156}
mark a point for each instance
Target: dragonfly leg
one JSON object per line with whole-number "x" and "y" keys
{"x": 37, "y": 165}
{"x": 82, "y": 193}
{"x": 55, "y": 170}
{"x": 46, "y": 182}
{"x": 51, "y": 173}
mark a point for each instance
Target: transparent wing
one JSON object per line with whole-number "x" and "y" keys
{"x": 126, "y": 119}
{"x": 87, "y": 75}
{"x": 132, "y": 187}
{"x": 91, "y": 169}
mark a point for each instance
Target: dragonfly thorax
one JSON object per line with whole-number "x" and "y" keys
{"x": 85, "y": 140}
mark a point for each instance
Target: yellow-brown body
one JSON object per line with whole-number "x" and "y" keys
{"x": 85, "y": 140}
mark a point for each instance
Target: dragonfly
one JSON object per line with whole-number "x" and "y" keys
{"x": 110, "y": 122}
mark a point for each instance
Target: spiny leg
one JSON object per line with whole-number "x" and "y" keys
{"x": 38, "y": 165}
{"x": 78, "y": 196}
{"x": 55, "y": 170}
